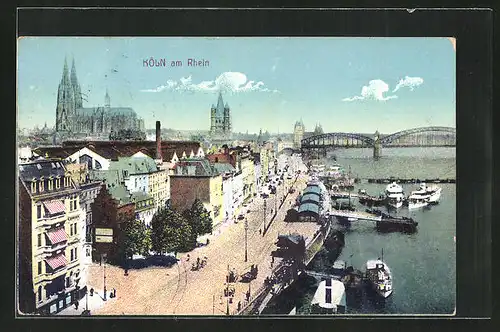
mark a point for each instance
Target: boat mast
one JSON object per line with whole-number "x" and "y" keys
{"x": 382, "y": 254}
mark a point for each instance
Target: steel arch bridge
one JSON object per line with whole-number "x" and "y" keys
{"x": 424, "y": 136}
{"x": 415, "y": 137}
{"x": 337, "y": 140}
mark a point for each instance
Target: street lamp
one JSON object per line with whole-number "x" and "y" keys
{"x": 104, "y": 265}
{"x": 265, "y": 206}
{"x": 246, "y": 231}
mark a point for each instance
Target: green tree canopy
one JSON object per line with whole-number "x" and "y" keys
{"x": 127, "y": 134}
{"x": 170, "y": 232}
{"x": 199, "y": 218}
{"x": 134, "y": 238}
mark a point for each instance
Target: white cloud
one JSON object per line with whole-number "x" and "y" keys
{"x": 411, "y": 82}
{"x": 373, "y": 91}
{"x": 225, "y": 82}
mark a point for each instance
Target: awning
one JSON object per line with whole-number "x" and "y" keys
{"x": 57, "y": 235}
{"x": 57, "y": 261}
{"x": 54, "y": 207}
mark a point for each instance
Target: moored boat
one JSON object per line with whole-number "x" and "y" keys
{"x": 379, "y": 276}
{"x": 394, "y": 195}
{"x": 392, "y": 223}
{"x": 434, "y": 193}
{"x": 330, "y": 298}
{"x": 419, "y": 198}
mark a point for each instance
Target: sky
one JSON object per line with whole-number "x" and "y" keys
{"x": 344, "y": 84}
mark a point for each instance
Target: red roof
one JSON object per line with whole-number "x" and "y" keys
{"x": 114, "y": 149}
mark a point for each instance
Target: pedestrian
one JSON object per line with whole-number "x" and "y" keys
{"x": 76, "y": 305}
{"x": 260, "y": 231}
{"x": 239, "y": 305}
{"x": 114, "y": 292}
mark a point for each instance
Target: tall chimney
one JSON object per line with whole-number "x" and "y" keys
{"x": 158, "y": 141}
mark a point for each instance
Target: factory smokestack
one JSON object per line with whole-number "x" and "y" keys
{"x": 158, "y": 141}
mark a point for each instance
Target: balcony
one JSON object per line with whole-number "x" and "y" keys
{"x": 49, "y": 275}
{"x": 49, "y": 249}
{"x": 50, "y": 220}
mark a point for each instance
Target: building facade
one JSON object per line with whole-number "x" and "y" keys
{"x": 111, "y": 207}
{"x": 72, "y": 117}
{"x": 89, "y": 189}
{"x": 145, "y": 207}
{"x": 197, "y": 179}
{"x": 220, "y": 120}
{"x": 49, "y": 238}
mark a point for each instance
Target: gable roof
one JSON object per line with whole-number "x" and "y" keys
{"x": 115, "y": 149}
{"x": 194, "y": 167}
{"x": 134, "y": 165}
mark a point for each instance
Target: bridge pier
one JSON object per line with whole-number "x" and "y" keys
{"x": 377, "y": 146}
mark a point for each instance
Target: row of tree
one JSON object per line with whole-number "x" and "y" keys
{"x": 127, "y": 134}
{"x": 170, "y": 231}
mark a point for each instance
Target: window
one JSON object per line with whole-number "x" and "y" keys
{"x": 75, "y": 231}
{"x": 33, "y": 187}
{"x": 39, "y": 211}
{"x": 50, "y": 185}
{"x": 39, "y": 293}
{"x": 41, "y": 184}
{"x": 71, "y": 254}
{"x": 39, "y": 267}
{"x": 39, "y": 240}
{"x": 76, "y": 253}
{"x": 70, "y": 230}
{"x": 58, "y": 183}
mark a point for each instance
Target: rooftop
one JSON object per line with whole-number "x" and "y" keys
{"x": 309, "y": 207}
{"x": 134, "y": 165}
{"x": 195, "y": 167}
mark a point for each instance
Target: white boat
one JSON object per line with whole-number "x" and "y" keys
{"x": 433, "y": 191}
{"x": 330, "y": 298}
{"x": 419, "y": 198}
{"x": 394, "y": 195}
{"x": 380, "y": 277}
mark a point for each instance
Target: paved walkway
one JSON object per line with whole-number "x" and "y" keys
{"x": 178, "y": 290}
{"x": 93, "y": 302}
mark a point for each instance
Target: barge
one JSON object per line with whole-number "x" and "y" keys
{"x": 390, "y": 223}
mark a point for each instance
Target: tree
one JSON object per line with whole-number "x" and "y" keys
{"x": 199, "y": 218}
{"x": 170, "y": 232}
{"x": 134, "y": 239}
{"x": 127, "y": 134}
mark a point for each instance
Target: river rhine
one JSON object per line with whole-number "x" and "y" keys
{"x": 423, "y": 264}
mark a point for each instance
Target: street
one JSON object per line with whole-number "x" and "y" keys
{"x": 179, "y": 291}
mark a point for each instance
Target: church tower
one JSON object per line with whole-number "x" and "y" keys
{"x": 227, "y": 120}
{"x": 76, "y": 87}
{"x": 107, "y": 100}
{"x": 65, "y": 108}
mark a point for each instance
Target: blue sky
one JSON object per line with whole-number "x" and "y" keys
{"x": 346, "y": 84}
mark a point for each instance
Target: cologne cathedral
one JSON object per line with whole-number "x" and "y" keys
{"x": 73, "y": 118}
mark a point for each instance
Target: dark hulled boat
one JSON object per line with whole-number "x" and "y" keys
{"x": 390, "y": 223}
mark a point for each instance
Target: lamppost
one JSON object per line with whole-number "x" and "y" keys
{"x": 265, "y": 206}
{"x": 104, "y": 265}
{"x": 246, "y": 231}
